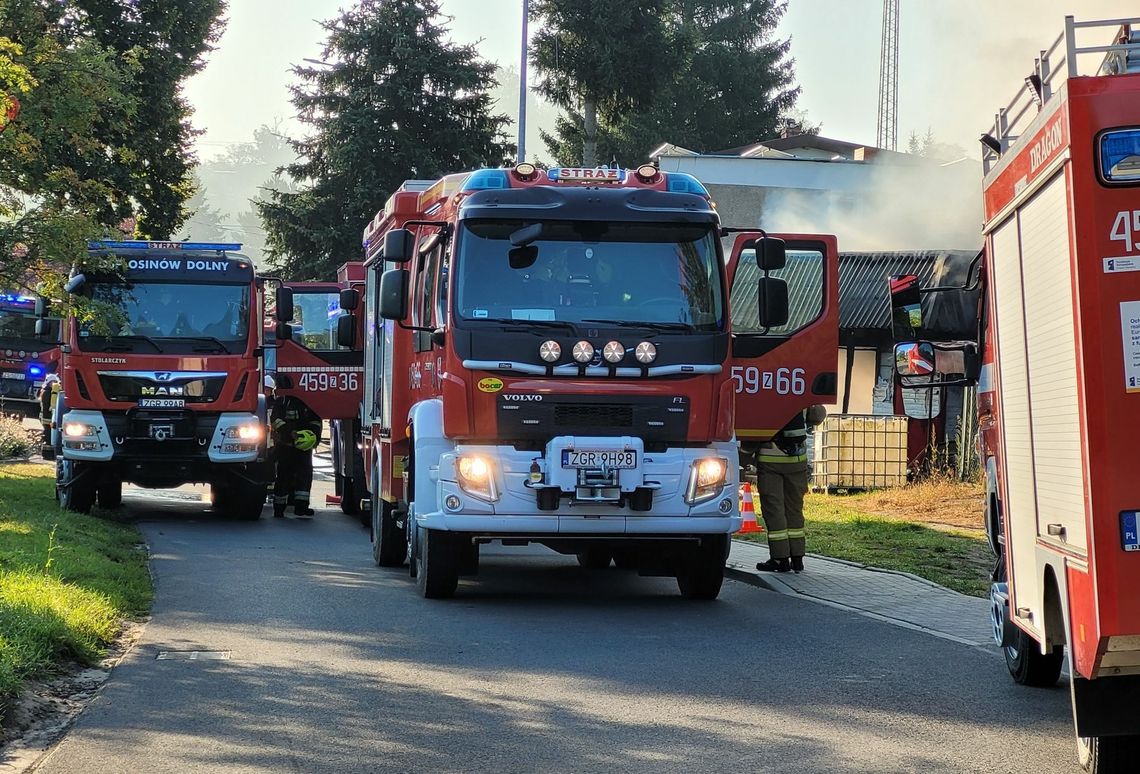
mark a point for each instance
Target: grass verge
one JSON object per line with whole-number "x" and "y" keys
{"x": 843, "y": 527}
{"x": 66, "y": 580}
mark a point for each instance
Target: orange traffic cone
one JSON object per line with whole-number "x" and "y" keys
{"x": 749, "y": 502}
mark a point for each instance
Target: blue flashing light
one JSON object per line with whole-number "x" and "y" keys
{"x": 143, "y": 245}
{"x": 486, "y": 180}
{"x": 35, "y": 370}
{"x": 680, "y": 182}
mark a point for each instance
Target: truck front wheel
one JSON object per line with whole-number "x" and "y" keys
{"x": 701, "y": 573}
{"x": 74, "y": 486}
{"x": 1028, "y": 665}
{"x": 437, "y": 564}
{"x": 110, "y": 493}
{"x": 1107, "y": 754}
{"x": 244, "y": 500}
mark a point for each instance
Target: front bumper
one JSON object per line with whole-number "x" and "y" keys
{"x": 516, "y": 511}
{"x": 159, "y": 438}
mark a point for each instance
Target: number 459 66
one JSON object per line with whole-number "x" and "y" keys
{"x": 322, "y": 381}
{"x": 783, "y": 381}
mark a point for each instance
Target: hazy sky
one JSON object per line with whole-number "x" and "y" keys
{"x": 959, "y": 60}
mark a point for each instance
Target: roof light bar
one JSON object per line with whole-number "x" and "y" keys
{"x": 142, "y": 245}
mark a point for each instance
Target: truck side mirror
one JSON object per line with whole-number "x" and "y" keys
{"x": 349, "y": 299}
{"x": 75, "y": 283}
{"x": 398, "y": 245}
{"x": 346, "y": 331}
{"x": 906, "y": 308}
{"x": 41, "y": 327}
{"x": 914, "y": 358}
{"x": 394, "y": 294}
{"x": 283, "y": 332}
{"x": 41, "y": 307}
{"x": 773, "y": 300}
{"x": 771, "y": 254}
{"x": 284, "y": 305}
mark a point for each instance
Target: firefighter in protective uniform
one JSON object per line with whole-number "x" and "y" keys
{"x": 48, "y": 397}
{"x": 782, "y": 472}
{"x": 295, "y": 431}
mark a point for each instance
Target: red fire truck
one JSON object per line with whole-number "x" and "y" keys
{"x": 25, "y": 355}
{"x": 162, "y": 386}
{"x": 549, "y": 358}
{"x": 1059, "y": 382}
{"x": 322, "y": 365}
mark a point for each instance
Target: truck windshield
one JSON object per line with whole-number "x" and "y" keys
{"x": 168, "y": 317}
{"x": 590, "y": 272}
{"x": 20, "y": 327}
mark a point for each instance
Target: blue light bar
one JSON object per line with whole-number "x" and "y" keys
{"x": 486, "y": 180}
{"x": 142, "y": 245}
{"x": 681, "y": 182}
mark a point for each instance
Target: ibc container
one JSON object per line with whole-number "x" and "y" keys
{"x": 859, "y": 451}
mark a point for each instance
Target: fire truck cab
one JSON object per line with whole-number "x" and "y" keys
{"x": 1059, "y": 379}
{"x": 28, "y": 348}
{"x": 550, "y": 357}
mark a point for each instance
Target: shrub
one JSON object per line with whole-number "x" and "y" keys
{"x": 15, "y": 441}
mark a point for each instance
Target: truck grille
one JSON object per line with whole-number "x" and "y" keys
{"x": 573, "y": 415}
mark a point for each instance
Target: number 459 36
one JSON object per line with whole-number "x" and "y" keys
{"x": 783, "y": 381}
{"x": 322, "y": 381}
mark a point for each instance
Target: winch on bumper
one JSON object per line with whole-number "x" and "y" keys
{"x": 584, "y": 485}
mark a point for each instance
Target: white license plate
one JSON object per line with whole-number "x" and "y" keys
{"x": 15, "y": 375}
{"x": 161, "y": 403}
{"x": 587, "y": 458}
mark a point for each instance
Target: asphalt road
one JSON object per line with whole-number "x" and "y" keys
{"x": 537, "y": 665}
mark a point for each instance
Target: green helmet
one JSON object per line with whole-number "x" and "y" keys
{"x": 304, "y": 440}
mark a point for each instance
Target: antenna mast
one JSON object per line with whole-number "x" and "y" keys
{"x": 887, "y": 129}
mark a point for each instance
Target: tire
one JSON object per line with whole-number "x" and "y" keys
{"x": 110, "y": 492}
{"x": 244, "y": 501}
{"x": 218, "y": 496}
{"x": 625, "y": 558}
{"x": 389, "y": 543}
{"x": 437, "y": 564}
{"x": 1029, "y": 666}
{"x": 595, "y": 558}
{"x": 79, "y": 495}
{"x": 701, "y": 573}
{"x": 1108, "y": 754}
{"x": 350, "y": 494}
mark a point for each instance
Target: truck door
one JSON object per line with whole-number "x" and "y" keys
{"x": 780, "y": 370}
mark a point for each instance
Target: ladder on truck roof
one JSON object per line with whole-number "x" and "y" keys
{"x": 1061, "y": 61}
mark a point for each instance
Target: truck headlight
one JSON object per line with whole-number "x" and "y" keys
{"x": 706, "y": 479}
{"x": 79, "y": 430}
{"x": 476, "y": 477}
{"x": 249, "y": 433}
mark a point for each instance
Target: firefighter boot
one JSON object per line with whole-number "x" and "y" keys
{"x": 797, "y": 564}
{"x": 775, "y": 565}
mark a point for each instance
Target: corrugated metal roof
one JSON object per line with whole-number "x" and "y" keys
{"x": 864, "y": 300}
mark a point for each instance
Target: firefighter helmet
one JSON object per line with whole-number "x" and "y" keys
{"x": 304, "y": 440}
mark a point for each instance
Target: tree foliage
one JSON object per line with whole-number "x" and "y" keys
{"x": 102, "y": 137}
{"x": 397, "y": 101}
{"x": 730, "y": 83}
{"x": 599, "y": 58}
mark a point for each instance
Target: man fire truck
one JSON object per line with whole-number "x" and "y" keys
{"x": 321, "y": 365}
{"x": 1059, "y": 382}
{"x": 161, "y": 381}
{"x": 549, "y": 358}
{"x": 25, "y": 356}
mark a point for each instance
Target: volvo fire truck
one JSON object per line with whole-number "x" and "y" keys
{"x": 25, "y": 356}
{"x": 320, "y": 361}
{"x": 565, "y": 357}
{"x": 1059, "y": 379}
{"x": 162, "y": 378}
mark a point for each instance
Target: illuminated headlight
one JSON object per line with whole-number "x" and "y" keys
{"x": 477, "y": 477}
{"x": 550, "y": 351}
{"x": 613, "y": 352}
{"x": 249, "y": 433}
{"x": 645, "y": 353}
{"x": 583, "y": 352}
{"x": 79, "y": 430}
{"x": 706, "y": 479}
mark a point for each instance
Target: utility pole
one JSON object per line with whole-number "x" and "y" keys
{"x": 886, "y": 134}
{"x": 522, "y": 83}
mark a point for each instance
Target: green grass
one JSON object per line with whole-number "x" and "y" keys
{"x": 66, "y": 580}
{"x": 958, "y": 559}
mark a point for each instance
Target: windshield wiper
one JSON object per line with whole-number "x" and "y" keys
{"x": 653, "y": 326}
{"x": 564, "y": 324}
{"x": 209, "y": 340}
{"x": 113, "y": 347}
